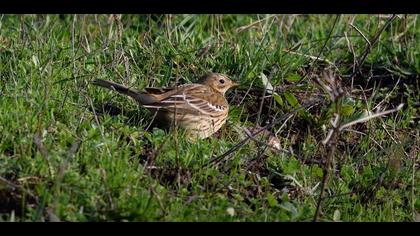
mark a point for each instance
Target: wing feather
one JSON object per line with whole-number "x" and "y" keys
{"x": 194, "y": 99}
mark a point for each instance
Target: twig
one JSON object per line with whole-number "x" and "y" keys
{"x": 387, "y": 95}
{"x": 57, "y": 185}
{"x": 327, "y": 169}
{"x": 369, "y": 117}
{"x": 363, "y": 36}
{"x": 44, "y": 151}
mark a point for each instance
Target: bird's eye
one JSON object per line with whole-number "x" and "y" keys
{"x": 222, "y": 81}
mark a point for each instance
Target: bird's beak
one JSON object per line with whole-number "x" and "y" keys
{"x": 235, "y": 84}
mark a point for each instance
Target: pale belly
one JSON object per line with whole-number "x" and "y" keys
{"x": 197, "y": 126}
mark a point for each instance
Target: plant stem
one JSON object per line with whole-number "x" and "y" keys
{"x": 326, "y": 174}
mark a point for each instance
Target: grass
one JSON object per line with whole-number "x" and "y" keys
{"x": 70, "y": 151}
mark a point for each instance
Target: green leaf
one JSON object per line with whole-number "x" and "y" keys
{"x": 148, "y": 136}
{"x": 318, "y": 171}
{"x": 417, "y": 203}
{"x": 293, "y": 77}
{"x": 278, "y": 99}
{"x": 290, "y": 208}
{"x": 272, "y": 201}
{"x": 284, "y": 197}
{"x": 291, "y": 99}
{"x": 347, "y": 110}
{"x": 291, "y": 166}
{"x": 251, "y": 74}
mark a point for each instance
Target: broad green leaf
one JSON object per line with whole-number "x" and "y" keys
{"x": 291, "y": 99}
{"x": 293, "y": 77}
{"x": 318, "y": 171}
{"x": 289, "y": 207}
{"x": 278, "y": 99}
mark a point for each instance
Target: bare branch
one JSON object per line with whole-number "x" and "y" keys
{"x": 369, "y": 117}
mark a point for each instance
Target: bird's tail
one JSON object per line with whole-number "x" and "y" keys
{"x": 136, "y": 95}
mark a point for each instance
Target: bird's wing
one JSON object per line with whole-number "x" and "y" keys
{"x": 194, "y": 99}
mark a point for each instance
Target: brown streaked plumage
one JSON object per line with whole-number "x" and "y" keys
{"x": 200, "y": 108}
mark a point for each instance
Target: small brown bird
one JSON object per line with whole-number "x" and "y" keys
{"x": 200, "y": 108}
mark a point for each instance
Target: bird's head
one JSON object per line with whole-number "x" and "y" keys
{"x": 219, "y": 82}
